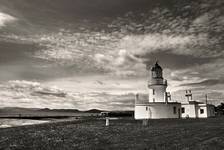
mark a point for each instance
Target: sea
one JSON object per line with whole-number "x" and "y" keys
{"x": 6, "y": 123}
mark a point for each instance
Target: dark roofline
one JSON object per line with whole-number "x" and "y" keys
{"x": 156, "y": 103}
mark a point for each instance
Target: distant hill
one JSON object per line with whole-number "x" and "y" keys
{"x": 94, "y": 111}
{"x": 27, "y": 110}
{"x": 59, "y": 110}
{"x": 17, "y": 110}
{"x": 44, "y": 113}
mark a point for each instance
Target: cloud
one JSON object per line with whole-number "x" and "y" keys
{"x": 190, "y": 45}
{"x": 5, "y": 18}
{"x": 187, "y": 41}
{"x": 99, "y": 82}
{"x": 35, "y": 88}
{"x": 199, "y": 80}
{"x": 123, "y": 42}
{"x": 152, "y": 42}
{"x": 17, "y": 84}
{"x": 124, "y": 64}
{"x": 21, "y": 93}
{"x": 205, "y": 83}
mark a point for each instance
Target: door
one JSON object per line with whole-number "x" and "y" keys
{"x": 179, "y": 114}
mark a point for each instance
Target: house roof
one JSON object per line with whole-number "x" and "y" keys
{"x": 156, "y": 103}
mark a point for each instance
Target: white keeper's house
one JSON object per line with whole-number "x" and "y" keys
{"x": 159, "y": 104}
{"x": 194, "y": 109}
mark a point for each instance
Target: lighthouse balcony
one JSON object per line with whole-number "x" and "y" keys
{"x": 158, "y": 81}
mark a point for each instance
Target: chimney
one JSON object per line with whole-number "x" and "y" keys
{"x": 206, "y": 99}
{"x": 188, "y": 95}
{"x": 136, "y": 97}
{"x": 168, "y": 97}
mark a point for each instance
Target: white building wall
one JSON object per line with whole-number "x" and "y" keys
{"x": 205, "y": 112}
{"x": 159, "y": 94}
{"x": 165, "y": 111}
{"x": 141, "y": 112}
{"x": 189, "y": 111}
{"x": 195, "y": 111}
{"x": 211, "y": 110}
{"x": 157, "y": 111}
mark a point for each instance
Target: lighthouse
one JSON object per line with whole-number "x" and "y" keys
{"x": 159, "y": 104}
{"x": 157, "y": 85}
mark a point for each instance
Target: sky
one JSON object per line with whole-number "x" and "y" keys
{"x": 86, "y": 54}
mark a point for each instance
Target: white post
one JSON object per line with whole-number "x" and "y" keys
{"x": 107, "y": 121}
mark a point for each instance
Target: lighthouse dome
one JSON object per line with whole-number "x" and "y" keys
{"x": 156, "y": 67}
{"x": 157, "y": 71}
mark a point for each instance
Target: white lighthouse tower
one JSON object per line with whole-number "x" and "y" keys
{"x": 159, "y": 104}
{"x": 157, "y": 85}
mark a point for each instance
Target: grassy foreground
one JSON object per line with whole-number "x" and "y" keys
{"x": 121, "y": 134}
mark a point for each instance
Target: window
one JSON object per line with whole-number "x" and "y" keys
{"x": 201, "y": 111}
{"x": 153, "y": 91}
{"x": 146, "y": 108}
{"x": 183, "y": 110}
{"x": 174, "y": 110}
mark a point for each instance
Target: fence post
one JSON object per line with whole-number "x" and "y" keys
{"x": 145, "y": 122}
{"x": 107, "y": 121}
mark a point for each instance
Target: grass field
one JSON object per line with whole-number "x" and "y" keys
{"x": 121, "y": 134}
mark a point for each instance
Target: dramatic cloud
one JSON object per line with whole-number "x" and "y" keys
{"x": 83, "y": 49}
{"x": 186, "y": 46}
{"x": 5, "y": 18}
{"x": 35, "y": 95}
{"x": 31, "y": 94}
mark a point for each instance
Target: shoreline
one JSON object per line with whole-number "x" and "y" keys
{"x": 18, "y": 122}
